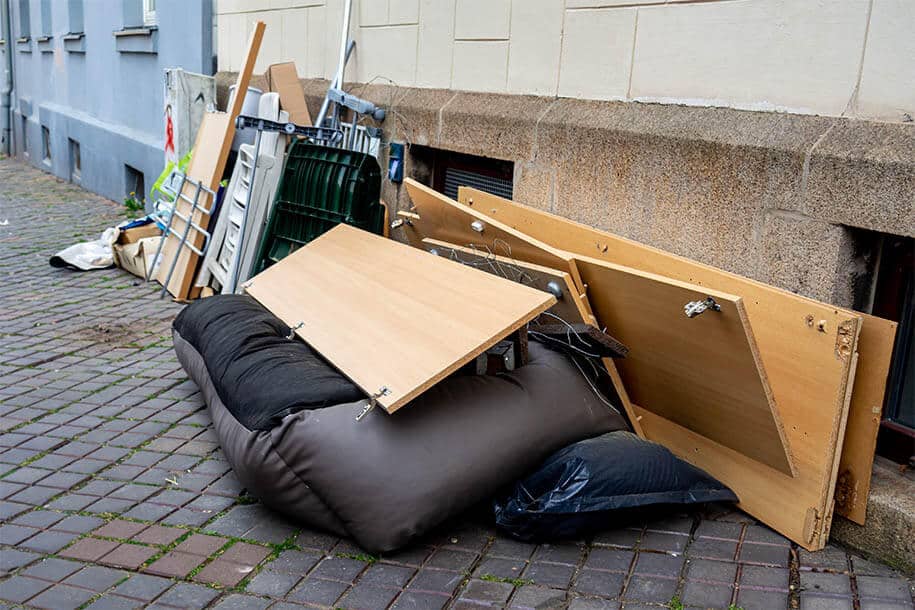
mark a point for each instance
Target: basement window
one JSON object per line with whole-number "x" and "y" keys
{"x": 894, "y": 299}
{"x": 25, "y": 136}
{"x": 446, "y": 171}
{"x": 133, "y": 183}
{"x": 45, "y": 145}
{"x": 76, "y": 164}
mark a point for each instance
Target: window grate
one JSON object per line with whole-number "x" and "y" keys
{"x": 455, "y": 178}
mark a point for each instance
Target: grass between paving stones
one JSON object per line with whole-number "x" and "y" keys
{"x": 517, "y": 582}
{"x": 369, "y": 559}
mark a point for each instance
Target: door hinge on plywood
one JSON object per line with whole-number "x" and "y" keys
{"x": 845, "y": 338}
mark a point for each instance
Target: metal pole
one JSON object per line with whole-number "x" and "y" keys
{"x": 6, "y": 80}
{"x": 239, "y": 242}
{"x": 341, "y": 62}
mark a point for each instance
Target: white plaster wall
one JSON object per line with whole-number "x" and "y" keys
{"x": 830, "y": 57}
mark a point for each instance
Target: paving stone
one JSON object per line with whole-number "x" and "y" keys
{"x": 712, "y": 548}
{"x": 273, "y": 584}
{"x": 130, "y": 556}
{"x": 175, "y": 564}
{"x": 148, "y": 512}
{"x": 713, "y": 571}
{"x": 78, "y": 524}
{"x": 96, "y": 578}
{"x": 755, "y": 599}
{"x": 89, "y": 549}
{"x": 52, "y": 569}
{"x": 48, "y": 542}
{"x": 143, "y": 587}
{"x": 223, "y": 572}
{"x": 762, "y": 576}
{"x": 874, "y": 604}
{"x": 39, "y": 518}
{"x": 114, "y": 602}
{"x": 531, "y": 597}
{"x": 706, "y": 595}
{"x": 14, "y": 534}
{"x": 61, "y": 597}
{"x": 20, "y": 588}
{"x": 201, "y": 544}
{"x": 436, "y": 581}
{"x": 830, "y": 558}
{"x": 294, "y": 562}
{"x": 11, "y": 559}
{"x": 367, "y": 597}
{"x": 318, "y": 591}
{"x": 482, "y": 591}
{"x": 159, "y": 535}
{"x": 584, "y": 603}
{"x": 650, "y": 589}
{"x": 506, "y": 547}
{"x": 597, "y": 582}
{"x": 188, "y": 595}
{"x": 452, "y": 560}
{"x": 500, "y": 567}
{"x": 412, "y": 600}
{"x": 339, "y": 568}
{"x": 609, "y": 559}
{"x": 120, "y": 529}
{"x": 811, "y": 601}
{"x": 881, "y": 587}
{"x": 664, "y": 542}
{"x": 550, "y": 574}
{"x": 658, "y": 564}
{"x": 825, "y": 583}
{"x": 242, "y": 602}
{"x": 766, "y": 554}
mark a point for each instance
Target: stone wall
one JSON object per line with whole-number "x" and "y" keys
{"x": 787, "y": 199}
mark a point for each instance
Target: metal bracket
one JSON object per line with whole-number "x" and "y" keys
{"x": 292, "y": 330}
{"x": 373, "y": 400}
{"x": 694, "y": 308}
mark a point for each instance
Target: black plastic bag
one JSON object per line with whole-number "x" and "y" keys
{"x": 595, "y": 483}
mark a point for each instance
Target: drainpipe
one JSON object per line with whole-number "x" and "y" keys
{"x": 6, "y": 80}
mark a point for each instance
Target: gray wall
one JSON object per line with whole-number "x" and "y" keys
{"x": 103, "y": 91}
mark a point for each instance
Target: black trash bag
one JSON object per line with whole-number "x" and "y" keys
{"x": 594, "y": 484}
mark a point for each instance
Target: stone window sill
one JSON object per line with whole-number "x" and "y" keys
{"x": 75, "y": 42}
{"x": 137, "y": 40}
{"x": 45, "y": 44}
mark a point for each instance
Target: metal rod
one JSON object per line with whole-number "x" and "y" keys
{"x": 341, "y": 62}
{"x": 168, "y": 226}
{"x": 240, "y": 240}
{"x": 187, "y": 228}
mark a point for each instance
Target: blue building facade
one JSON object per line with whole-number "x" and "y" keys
{"x": 86, "y": 84}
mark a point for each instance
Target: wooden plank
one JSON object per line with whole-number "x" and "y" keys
{"x": 391, "y": 316}
{"x": 703, "y": 372}
{"x": 211, "y": 150}
{"x": 529, "y": 274}
{"x": 808, "y": 366}
{"x": 875, "y": 351}
{"x": 284, "y": 79}
{"x": 439, "y": 217}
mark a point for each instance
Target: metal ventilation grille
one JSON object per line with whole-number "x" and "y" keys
{"x": 455, "y": 178}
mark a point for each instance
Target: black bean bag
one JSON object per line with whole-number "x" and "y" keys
{"x": 287, "y": 423}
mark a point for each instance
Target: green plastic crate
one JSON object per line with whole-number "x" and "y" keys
{"x": 321, "y": 187}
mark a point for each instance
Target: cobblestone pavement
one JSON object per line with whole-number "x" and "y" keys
{"x": 114, "y": 493}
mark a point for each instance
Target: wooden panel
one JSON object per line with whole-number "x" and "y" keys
{"x": 806, "y": 349}
{"x": 529, "y": 274}
{"x": 446, "y": 220}
{"x": 702, "y": 372}
{"x": 211, "y": 150}
{"x": 436, "y": 216}
{"x": 391, "y": 316}
{"x": 875, "y": 351}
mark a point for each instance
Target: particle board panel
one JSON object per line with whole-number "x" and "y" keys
{"x": 207, "y": 165}
{"x": 567, "y": 306}
{"x": 391, "y": 316}
{"x": 806, "y": 347}
{"x": 875, "y": 351}
{"x": 703, "y": 373}
{"x": 438, "y": 217}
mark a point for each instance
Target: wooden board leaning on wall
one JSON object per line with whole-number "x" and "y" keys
{"x": 764, "y": 303}
{"x": 702, "y": 372}
{"x": 211, "y": 150}
{"x": 438, "y": 222}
